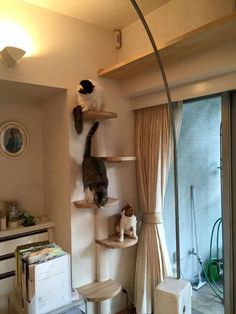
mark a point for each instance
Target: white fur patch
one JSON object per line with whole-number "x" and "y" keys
{"x": 94, "y": 101}
{"x": 127, "y": 226}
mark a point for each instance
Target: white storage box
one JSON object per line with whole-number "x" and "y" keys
{"x": 49, "y": 285}
{"x": 173, "y": 296}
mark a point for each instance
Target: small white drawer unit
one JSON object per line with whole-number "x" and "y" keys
{"x": 9, "y": 240}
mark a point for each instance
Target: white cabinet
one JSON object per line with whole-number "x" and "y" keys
{"x": 9, "y": 240}
{"x": 6, "y": 285}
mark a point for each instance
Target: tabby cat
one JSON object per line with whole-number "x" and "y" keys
{"x": 94, "y": 174}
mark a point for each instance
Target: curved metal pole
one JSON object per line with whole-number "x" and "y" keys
{"x": 159, "y": 61}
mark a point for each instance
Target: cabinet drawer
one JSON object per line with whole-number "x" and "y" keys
{"x": 6, "y": 286}
{"x": 7, "y": 265}
{"x": 9, "y": 246}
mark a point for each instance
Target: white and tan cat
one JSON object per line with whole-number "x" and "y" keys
{"x": 127, "y": 222}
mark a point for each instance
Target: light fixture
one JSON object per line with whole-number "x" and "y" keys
{"x": 10, "y": 55}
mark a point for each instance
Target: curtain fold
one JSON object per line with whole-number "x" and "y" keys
{"x": 154, "y": 147}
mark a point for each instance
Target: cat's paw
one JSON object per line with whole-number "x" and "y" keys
{"x": 84, "y": 107}
{"x": 121, "y": 239}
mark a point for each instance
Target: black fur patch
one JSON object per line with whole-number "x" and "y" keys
{"x": 78, "y": 118}
{"x": 88, "y": 87}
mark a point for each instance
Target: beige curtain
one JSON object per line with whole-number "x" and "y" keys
{"x": 153, "y": 150}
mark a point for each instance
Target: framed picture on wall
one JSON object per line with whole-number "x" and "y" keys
{"x": 14, "y": 139}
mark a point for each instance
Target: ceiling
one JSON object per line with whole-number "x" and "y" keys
{"x": 110, "y": 14}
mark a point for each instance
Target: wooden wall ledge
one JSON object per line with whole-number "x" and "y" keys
{"x": 219, "y": 30}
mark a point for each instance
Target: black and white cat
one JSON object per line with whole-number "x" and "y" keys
{"x": 94, "y": 174}
{"x": 90, "y": 97}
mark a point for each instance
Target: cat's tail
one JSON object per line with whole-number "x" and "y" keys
{"x": 87, "y": 150}
{"x": 78, "y": 118}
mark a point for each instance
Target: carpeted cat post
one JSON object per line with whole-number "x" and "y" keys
{"x": 172, "y": 295}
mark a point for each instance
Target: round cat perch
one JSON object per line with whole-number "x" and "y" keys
{"x": 112, "y": 242}
{"x": 84, "y": 204}
{"x": 98, "y": 115}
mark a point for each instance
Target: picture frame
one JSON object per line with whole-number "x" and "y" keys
{"x": 14, "y": 139}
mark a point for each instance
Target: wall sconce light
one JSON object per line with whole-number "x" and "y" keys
{"x": 10, "y": 55}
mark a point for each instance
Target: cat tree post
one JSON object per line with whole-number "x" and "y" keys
{"x": 102, "y": 257}
{"x": 101, "y": 227}
{"x": 99, "y": 145}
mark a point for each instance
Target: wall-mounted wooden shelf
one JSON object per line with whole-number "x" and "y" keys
{"x": 214, "y": 32}
{"x": 100, "y": 291}
{"x": 99, "y": 115}
{"x": 117, "y": 158}
{"x": 113, "y": 243}
{"x": 85, "y": 204}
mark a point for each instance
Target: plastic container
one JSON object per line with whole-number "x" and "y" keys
{"x": 212, "y": 269}
{"x": 13, "y": 215}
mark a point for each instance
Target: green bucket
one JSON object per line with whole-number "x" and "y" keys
{"x": 212, "y": 270}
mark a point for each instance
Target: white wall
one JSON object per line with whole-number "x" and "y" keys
{"x": 195, "y": 71}
{"x": 173, "y": 19}
{"x": 56, "y": 167}
{"x": 22, "y": 178}
{"x": 118, "y": 139}
{"x": 66, "y": 51}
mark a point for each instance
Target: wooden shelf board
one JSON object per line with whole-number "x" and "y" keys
{"x": 85, "y": 204}
{"x": 100, "y": 291}
{"x": 117, "y": 158}
{"x": 214, "y": 32}
{"x": 98, "y": 115}
{"x": 113, "y": 243}
{"x": 22, "y": 229}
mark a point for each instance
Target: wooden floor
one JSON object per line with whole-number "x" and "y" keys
{"x": 204, "y": 301}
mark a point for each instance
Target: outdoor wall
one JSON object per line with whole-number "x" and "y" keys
{"x": 198, "y": 162}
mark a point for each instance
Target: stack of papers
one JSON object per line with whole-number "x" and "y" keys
{"x": 43, "y": 276}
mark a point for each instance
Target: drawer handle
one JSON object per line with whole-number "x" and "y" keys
{"x": 7, "y": 256}
{"x": 7, "y": 275}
